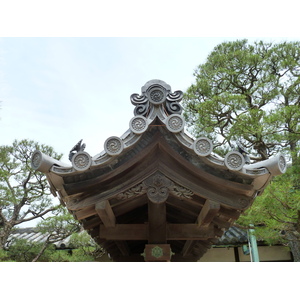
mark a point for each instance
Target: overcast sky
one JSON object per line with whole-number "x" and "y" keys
{"x": 59, "y": 90}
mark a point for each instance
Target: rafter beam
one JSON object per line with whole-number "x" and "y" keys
{"x": 106, "y": 213}
{"x": 208, "y": 212}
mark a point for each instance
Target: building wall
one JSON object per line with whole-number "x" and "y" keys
{"x": 266, "y": 253}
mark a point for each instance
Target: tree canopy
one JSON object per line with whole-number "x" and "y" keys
{"x": 24, "y": 192}
{"x": 248, "y": 95}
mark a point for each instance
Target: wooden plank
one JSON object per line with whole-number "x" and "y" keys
{"x": 106, "y": 213}
{"x": 208, "y": 212}
{"x": 140, "y": 232}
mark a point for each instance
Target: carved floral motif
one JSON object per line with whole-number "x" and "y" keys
{"x": 157, "y": 188}
{"x": 181, "y": 192}
{"x": 135, "y": 191}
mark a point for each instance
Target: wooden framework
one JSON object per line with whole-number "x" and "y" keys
{"x": 156, "y": 194}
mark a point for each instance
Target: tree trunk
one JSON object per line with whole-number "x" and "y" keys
{"x": 5, "y": 231}
{"x": 42, "y": 250}
{"x": 294, "y": 244}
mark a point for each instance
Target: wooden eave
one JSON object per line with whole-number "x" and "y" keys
{"x": 158, "y": 151}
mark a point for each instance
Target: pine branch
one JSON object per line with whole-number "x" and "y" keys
{"x": 35, "y": 216}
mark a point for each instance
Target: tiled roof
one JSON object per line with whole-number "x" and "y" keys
{"x": 233, "y": 236}
{"x": 32, "y": 235}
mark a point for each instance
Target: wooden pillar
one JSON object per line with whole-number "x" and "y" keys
{"x": 157, "y": 192}
{"x": 157, "y": 223}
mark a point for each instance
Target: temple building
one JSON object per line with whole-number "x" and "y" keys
{"x": 156, "y": 193}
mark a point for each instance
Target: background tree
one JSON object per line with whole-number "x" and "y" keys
{"x": 249, "y": 95}
{"x": 57, "y": 228}
{"x": 24, "y": 192}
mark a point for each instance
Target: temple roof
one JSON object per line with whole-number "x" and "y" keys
{"x": 156, "y": 184}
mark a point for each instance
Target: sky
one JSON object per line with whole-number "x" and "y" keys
{"x": 57, "y": 91}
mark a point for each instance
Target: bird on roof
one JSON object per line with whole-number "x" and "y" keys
{"x": 77, "y": 148}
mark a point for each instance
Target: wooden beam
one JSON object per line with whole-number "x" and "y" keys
{"x": 106, "y": 213}
{"x": 189, "y": 232}
{"x": 140, "y": 232}
{"x": 124, "y": 232}
{"x": 208, "y": 212}
{"x": 157, "y": 223}
{"x": 85, "y": 213}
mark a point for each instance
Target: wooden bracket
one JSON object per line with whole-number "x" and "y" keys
{"x": 208, "y": 212}
{"x": 106, "y": 213}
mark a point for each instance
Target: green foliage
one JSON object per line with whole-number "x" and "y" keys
{"x": 59, "y": 226}
{"x": 80, "y": 248}
{"x": 248, "y": 93}
{"x": 276, "y": 211}
{"x": 24, "y": 193}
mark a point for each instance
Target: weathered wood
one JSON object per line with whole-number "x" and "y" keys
{"x": 189, "y": 232}
{"x": 208, "y": 212}
{"x": 124, "y": 232}
{"x": 140, "y": 232}
{"x": 157, "y": 223}
{"x": 106, "y": 213}
{"x": 157, "y": 253}
{"x": 96, "y": 221}
{"x": 85, "y": 213}
{"x": 129, "y": 205}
